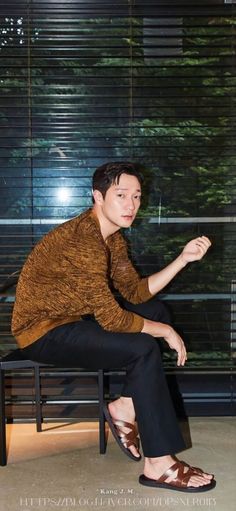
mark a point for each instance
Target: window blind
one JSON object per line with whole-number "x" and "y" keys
{"x": 82, "y": 83}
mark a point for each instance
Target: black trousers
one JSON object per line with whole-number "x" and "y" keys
{"x": 86, "y": 344}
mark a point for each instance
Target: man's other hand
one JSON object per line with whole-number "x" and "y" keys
{"x": 195, "y": 249}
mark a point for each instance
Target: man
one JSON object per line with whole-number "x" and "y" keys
{"x": 66, "y": 313}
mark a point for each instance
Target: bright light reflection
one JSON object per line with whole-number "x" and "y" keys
{"x": 63, "y": 194}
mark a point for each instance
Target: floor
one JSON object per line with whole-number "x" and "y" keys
{"x": 61, "y": 469}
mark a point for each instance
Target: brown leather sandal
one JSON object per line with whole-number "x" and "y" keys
{"x": 180, "y": 481}
{"x": 124, "y": 440}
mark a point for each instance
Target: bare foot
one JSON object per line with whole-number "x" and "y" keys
{"x": 123, "y": 409}
{"x": 155, "y": 467}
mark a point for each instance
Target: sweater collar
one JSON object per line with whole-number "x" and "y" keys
{"x": 94, "y": 218}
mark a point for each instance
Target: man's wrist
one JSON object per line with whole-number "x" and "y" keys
{"x": 183, "y": 260}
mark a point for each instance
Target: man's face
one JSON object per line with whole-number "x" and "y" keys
{"x": 122, "y": 201}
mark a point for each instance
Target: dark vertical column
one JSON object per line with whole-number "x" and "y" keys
{"x": 38, "y": 404}
{"x": 3, "y": 454}
{"x": 102, "y": 436}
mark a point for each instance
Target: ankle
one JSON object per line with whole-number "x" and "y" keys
{"x": 124, "y": 403}
{"x": 160, "y": 460}
{"x": 122, "y": 408}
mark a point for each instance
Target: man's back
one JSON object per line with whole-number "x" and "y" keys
{"x": 45, "y": 291}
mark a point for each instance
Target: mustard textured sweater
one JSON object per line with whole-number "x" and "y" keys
{"x": 68, "y": 274}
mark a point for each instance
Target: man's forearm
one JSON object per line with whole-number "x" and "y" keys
{"x": 155, "y": 328}
{"x": 159, "y": 280}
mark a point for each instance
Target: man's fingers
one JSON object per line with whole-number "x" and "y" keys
{"x": 182, "y": 356}
{"x": 176, "y": 343}
{"x": 203, "y": 242}
{"x": 203, "y": 245}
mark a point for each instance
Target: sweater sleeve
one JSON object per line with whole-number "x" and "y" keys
{"x": 124, "y": 276}
{"x": 88, "y": 261}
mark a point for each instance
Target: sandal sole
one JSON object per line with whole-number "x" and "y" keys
{"x": 146, "y": 481}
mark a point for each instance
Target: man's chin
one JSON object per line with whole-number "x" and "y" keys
{"x": 127, "y": 222}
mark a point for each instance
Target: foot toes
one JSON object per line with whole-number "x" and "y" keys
{"x": 134, "y": 451}
{"x": 198, "y": 481}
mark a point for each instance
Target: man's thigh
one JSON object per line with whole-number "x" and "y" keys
{"x": 153, "y": 309}
{"x": 87, "y": 344}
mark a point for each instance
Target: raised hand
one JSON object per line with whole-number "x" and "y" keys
{"x": 195, "y": 249}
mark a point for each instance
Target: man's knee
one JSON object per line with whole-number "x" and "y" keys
{"x": 161, "y": 312}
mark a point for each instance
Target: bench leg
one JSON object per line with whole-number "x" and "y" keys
{"x": 3, "y": 450}
{"x": 38, "y": 405}
{"x": 102, "y": 432}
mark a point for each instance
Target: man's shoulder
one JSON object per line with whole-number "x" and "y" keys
{"x": 84, "y": 231}
{"x": 82, "y": 222}
{"x": 60, "y": 236}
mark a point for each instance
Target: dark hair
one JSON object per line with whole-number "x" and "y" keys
{"x": 109, "y": 173}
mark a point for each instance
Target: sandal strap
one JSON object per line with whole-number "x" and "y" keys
{"x": 181, "y": 479}
{"x": 197, "y": 470}
{"x": 130, "y": 438}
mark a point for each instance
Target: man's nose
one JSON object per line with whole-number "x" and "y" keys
{"x": 131, "y": 204}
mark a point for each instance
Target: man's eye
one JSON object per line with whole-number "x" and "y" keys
{"x": 120, "y": 195}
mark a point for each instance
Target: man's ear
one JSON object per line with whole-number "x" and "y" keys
{"x": 98, "y": 198}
